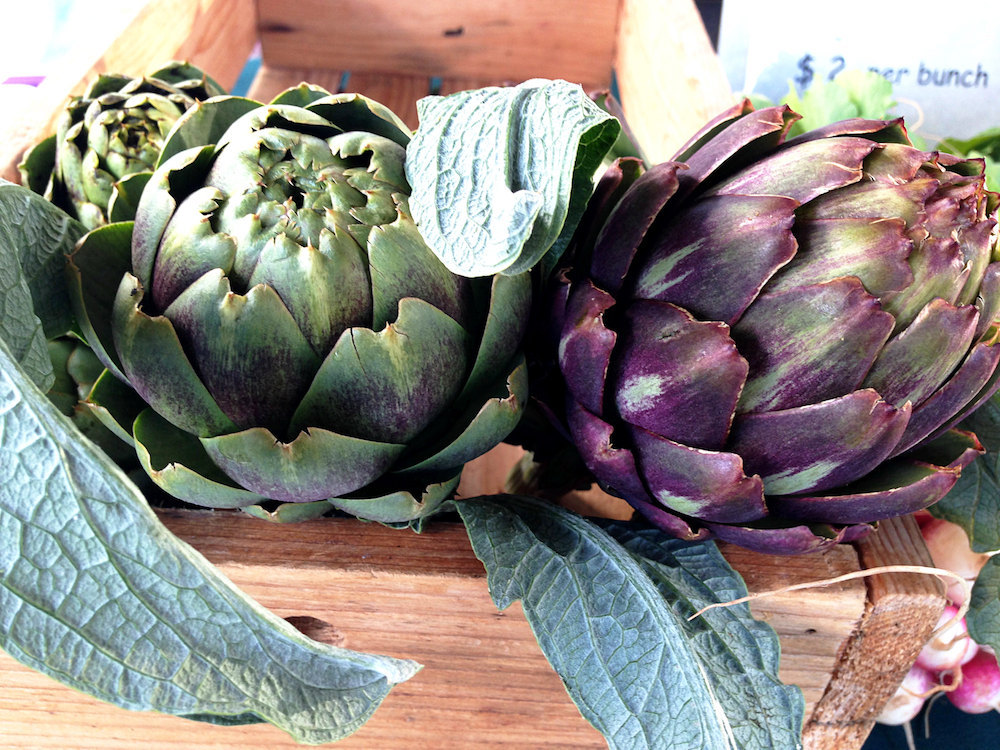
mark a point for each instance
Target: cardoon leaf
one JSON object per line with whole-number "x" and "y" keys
{"x": 95, "y": 593}
{"x": 500, "y": 176}
{"x": 610, "y": 612}
{"x": 35, "y": 236}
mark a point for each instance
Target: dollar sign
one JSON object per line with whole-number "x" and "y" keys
{"x": 805, "y": 75}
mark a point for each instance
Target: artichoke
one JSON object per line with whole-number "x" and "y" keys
{"x": 115, "y": 129}
{"x": 294, "y": 342}
{"x": 768, "y": 339}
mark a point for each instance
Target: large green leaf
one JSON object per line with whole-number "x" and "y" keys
{"x": 35, "y": 237}
{"x": 983, "y": 617}
{"x": 611, "y": 616}
{"x": 500, "y": 176}
{"x": 974, "y": 501}
{"x": 96, "y": 593}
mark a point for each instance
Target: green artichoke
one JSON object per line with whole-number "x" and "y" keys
{"x": 115, "y": 129}
{"x": 768, "y": 339}
{"x": 294, "y": 338}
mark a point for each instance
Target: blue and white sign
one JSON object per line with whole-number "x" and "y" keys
{"x": 945, "y": 75}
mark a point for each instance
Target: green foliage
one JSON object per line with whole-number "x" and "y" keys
{"x": 610, "y": 608}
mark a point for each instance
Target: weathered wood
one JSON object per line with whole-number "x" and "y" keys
{"x": 515, "y": 39}
{"x": 671, "y": 82}
{"x": 902, "y": 610}
{"x": 163, "y": 30}
{"x": 485, "y": 683}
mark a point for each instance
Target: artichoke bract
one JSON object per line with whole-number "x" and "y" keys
{"x": 116, "y": 128}
{"x": 294, "y": 338}
{"x": 768, "y": 340}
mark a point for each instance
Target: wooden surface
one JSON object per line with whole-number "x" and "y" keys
{"x": 670, "y": 80}
{"x": 513, "y": 39}
{"x": 902, "y": 610}
{"x": 485, "y": 683}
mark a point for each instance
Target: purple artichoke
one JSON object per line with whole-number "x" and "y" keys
{"x": 769, "y": 342}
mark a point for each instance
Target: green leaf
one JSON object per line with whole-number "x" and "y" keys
{"x": 34, "y": 237}
{"x": 37, "y": 236}
{"x": 611, "y": 616}
{"x": 853, "y": 93}
{"x": 983, "y": 617}
{"x": 500, "y": 176}
{"x": 205, "y": 123}
{"x": 96, "y": 593}
{"x": 974, "y": 502}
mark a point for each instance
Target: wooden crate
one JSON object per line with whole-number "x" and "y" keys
{"x": 485, "y": 682}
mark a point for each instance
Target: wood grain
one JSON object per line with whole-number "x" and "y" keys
{"x": 516, "y": 39}
{"x": 670, "y": 80}
{"x": 485, "y": 683}
{"x": 902, "y": 610}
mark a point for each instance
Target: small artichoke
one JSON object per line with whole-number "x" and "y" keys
{"x": 116, "y": 128}
{"x": 294, "y": 338}
{"x": 768, "y": 339}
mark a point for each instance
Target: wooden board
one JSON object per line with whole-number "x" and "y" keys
{"x": 485, "y": 683}
{"x": 514, "y": 39}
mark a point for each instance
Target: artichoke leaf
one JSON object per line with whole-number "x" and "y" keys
{"x": 316, "y": 465}
{"x": 350, "y": 111}
{"x": 115, "y": 404}
{"x": 401, "y": 507}
{"x": 484, "y": 425}
{"x": 500, "y": 176}
{"x": 387, "y": 386}
{"x": 125, "y": 196}
{"x": 93, "y": 275}
{"x": 204, "y": 123}
{"x": 156, "y": 365}
{"x": 178, "y": 463}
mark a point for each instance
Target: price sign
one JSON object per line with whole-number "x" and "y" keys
{"x": 945, "y": 76}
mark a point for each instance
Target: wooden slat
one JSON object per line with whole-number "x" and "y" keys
{"x": 485, "y": 682}
{"x": 670, "y": 80}
{"x": 163, "y": 30}
{"x": 516, "y": 39}
{"x": 902, "y": 611}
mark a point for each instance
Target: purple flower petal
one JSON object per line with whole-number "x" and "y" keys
{"x": 622, "y": 235}
{"x": 819, "y": 446}
{"x": 586, "y": 345}
{"x": 677, "y": 377}
{"x": 714, "y": 257}
{"x": 916, "y": 362}
{"x": 809, "y": 344}
{"x": 789, "y": 540}
{"x": 802, "y": 172}
{"x": 707, "y": 485}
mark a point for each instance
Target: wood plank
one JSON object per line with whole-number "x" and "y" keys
{"x": 671, "y": 81}
{"x": 485, "y": 682}
{"x": 163, "y": 30}
{"x": 516, "y": 39}
{"x": 902, "y": 611}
